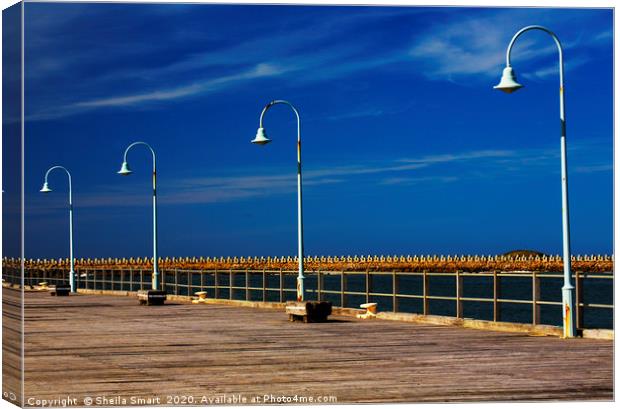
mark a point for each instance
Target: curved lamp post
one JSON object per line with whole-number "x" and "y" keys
{"x": 125, "y": 171}
{"x": 262, "y": 139}
{"x": 46, "y": 189}
{"x": 509, "y": 84}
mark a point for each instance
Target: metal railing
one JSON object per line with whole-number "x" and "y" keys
{"x": 531, "y": 297}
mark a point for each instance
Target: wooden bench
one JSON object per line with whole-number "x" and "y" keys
{"x": 61, "y": 290}
{"x": 308, "y": 311}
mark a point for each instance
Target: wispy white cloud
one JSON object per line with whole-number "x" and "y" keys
{"x": 304, "y": 53}
{"x": 604, "y": 167}
{"x": 489, "y": 163}
{"x": 459, "y": 157}
{"x": 414, "y": 181}
{"x": 372, "y": 111}
{"x": 462, "y": 48}
{"x": 552, "y": 71}
{"x": 451, "y": 49}
{"x": 217, "y": 189}
{"x": 477, "y": 46}
{"x": 262, "y": 70}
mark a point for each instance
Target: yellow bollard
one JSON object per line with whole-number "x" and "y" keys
{"x": 371, "y": 310}
{"x": 202, "y": 297}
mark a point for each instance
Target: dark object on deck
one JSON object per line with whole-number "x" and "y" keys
{"x": 308, "y": 311}
{"x": 61, "y": 290}
{"x": 151, "y": 297}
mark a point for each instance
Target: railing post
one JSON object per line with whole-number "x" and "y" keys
{"x": 130, "y": 279}
{"x": 367, "y": 286}
{"x": 281, "y": 286}
{"x": 496, "y": 295}
{"x": 231, "y": 278}
{"x": 425, "y": 309}
{"x": 535, "y": 299}
{"x": 190, "y": 282}
{"x": 459, "y": 294}
{"x": 162, "y": 274}
{"x": 141, "y": 279}
{"x": 216, "y": 280}
{"x": 202, "y": 280}
{"x": 394, "y": 291}
{"x": 264, "y": 286}
{"x": 319, "y": 285}
{"x": 122, "y": 273}
{"x": 578, "y": 300}
{"x": 343, "y": 286}
{"x": 247, "y": 285}
{"x": 175, "y": 282}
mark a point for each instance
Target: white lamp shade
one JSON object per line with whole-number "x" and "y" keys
{"x": 261, "y": 137}
{"x": 508, "y": 83}
{"x": 45, "y": 188}
{"x": 124, "y": 170}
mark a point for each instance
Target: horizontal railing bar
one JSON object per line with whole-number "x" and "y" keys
{"x": 441, "y": 297}
{"x": 371, "y": 294}
{"x": 548, "y": 302}
{"x": 474, "y": 299}
{"x": 609, "y": 306}
{"x": 509, "y": 301}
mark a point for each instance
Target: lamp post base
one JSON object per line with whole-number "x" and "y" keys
{"x": 568, "y": 312}
{"x": 151, "y": 297}
{"x": 72, "y": 281}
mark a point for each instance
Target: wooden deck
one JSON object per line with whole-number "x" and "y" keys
{"x": 93, "y": 345}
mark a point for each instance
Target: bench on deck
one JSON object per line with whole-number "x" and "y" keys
{"x": 308, "y": 311}
{"x": 61, "y": 290}
{"x": 151, "y": 297}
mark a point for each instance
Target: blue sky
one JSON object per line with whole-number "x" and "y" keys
{"x": 407, "y": 149}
